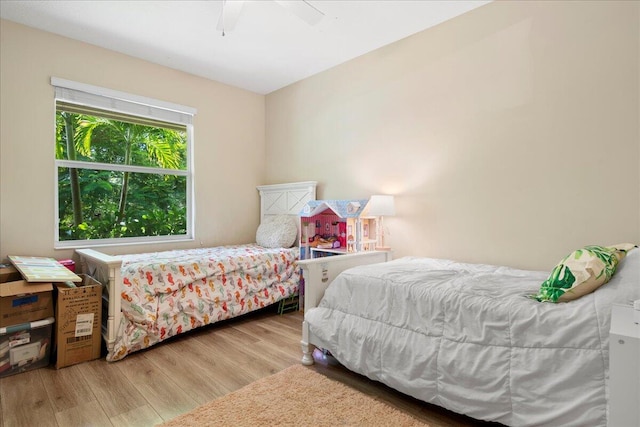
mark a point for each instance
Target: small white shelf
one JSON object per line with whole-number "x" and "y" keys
{"x": 336, "y": 251}
{"x": 624, "y": 368}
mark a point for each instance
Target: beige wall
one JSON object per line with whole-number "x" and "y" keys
{"x": 229, "y": 138}
{"x": 509, "y": 135}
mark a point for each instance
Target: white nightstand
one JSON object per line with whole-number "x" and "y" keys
{"x": 322, "y": 252}
{"x": 624, "y": 368}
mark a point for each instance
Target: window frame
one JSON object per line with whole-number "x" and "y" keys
{"x": 138, "y": 106}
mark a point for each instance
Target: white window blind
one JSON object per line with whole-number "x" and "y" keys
{"x": 120, "y": 102}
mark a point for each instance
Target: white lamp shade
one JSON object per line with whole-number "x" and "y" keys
{"x": 381, "y": 206}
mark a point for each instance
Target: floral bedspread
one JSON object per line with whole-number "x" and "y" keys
{"x": 168, "y": 293}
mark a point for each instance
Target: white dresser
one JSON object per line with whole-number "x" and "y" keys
{"x": 624, "y": 368}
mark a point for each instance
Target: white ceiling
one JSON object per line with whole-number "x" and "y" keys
{"x": 269, "y": 48}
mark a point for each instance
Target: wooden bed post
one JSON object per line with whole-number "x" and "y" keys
{"x": 318, "y": 273}
{"x": 105, "y": 269}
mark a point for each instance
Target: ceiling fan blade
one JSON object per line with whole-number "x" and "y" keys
{"x": 303, "y": 10}
{"x": 229, "y": 16}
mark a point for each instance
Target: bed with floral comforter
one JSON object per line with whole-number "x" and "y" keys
{"x": 168, "y": 293}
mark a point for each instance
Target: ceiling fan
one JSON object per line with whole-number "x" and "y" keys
{"x": 301, "y": 8}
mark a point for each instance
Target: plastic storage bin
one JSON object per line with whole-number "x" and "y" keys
{"x": 25, "y": 346}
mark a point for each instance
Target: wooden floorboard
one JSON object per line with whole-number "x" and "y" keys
{"x": 115, "y": 392}
{"x": 66, "y": 388}
{"x": 25, "y": 401}
{"x": 144, "y": 416}
{"x": 194, "y": 377}
{"x": 157, "y": 384}
{"x": 157, "y": 387}
{"x": 84, "y": 414}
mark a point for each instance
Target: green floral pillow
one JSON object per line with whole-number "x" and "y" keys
{"x": 582, "y": 272}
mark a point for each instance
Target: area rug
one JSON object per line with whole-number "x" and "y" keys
{"x": 295, "y": 396}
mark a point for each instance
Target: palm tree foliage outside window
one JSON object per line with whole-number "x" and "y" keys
{"x": 120, "y": 177}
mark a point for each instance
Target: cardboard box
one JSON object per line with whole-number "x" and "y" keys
{"x": 78, "y": 321}
{"x": 25, "y": 347}
{"x": 21, "y": 301}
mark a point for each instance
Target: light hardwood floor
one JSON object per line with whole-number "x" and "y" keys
{"x": 151, "y": 386}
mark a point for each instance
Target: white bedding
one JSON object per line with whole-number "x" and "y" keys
{"x": 465, "y": 337}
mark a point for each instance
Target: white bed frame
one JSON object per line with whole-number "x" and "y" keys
{"x": 318, "y": 273}
{"x": 276, "y": 199}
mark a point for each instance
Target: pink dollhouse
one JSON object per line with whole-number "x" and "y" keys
{"x": 333, "y": 227}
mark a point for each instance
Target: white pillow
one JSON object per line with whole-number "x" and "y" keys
{"x": 278, "y": 231}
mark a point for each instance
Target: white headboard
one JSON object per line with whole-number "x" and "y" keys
{"x": 285, "y": 199}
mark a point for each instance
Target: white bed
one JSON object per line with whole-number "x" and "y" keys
{"x": 465, "y": 336}
{"x": 166, "y": 293}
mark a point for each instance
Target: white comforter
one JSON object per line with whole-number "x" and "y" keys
{"x": 465, "y": 337}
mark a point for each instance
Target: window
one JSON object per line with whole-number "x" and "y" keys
{"x": 123, "y": 167}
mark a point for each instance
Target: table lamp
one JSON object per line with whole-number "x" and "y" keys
{"x": 381, "y": 206}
